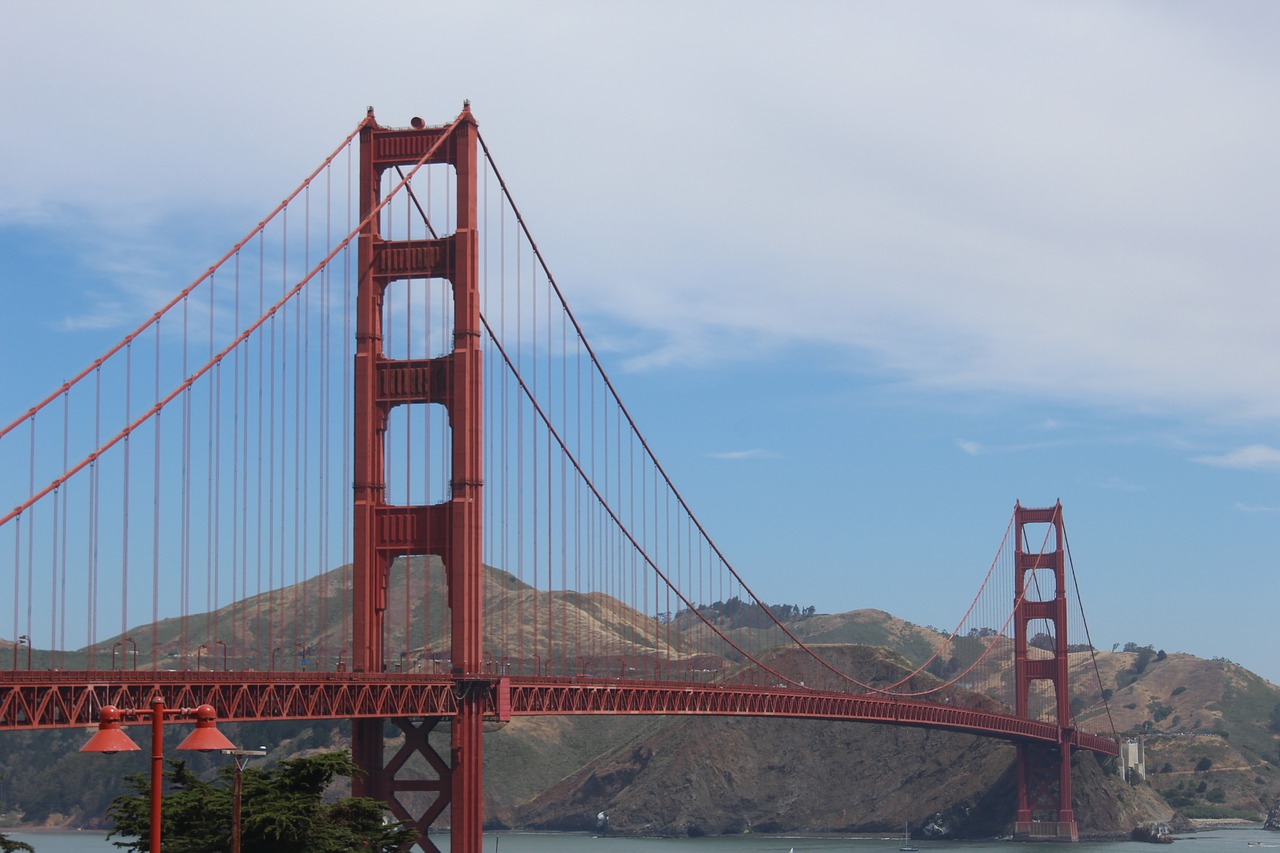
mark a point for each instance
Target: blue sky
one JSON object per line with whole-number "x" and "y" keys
{"x": 865, "y": 274}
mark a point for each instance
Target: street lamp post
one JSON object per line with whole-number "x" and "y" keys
{"x": 241, "y": 757}
{"x": 110, "y": 739}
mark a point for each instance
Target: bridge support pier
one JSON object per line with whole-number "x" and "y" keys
{"x": 381, "y": 780}
{"x": 1044, "y": 773}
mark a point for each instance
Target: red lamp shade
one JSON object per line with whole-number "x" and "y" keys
{"x": 110, "y": 737}
{"x": 206, "y": 737}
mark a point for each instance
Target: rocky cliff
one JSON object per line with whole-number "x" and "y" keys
{"x": 708, "y": 776}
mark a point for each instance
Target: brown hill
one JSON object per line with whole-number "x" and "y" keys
{"x": 708, "y": 776}
{"x": 1208, "y": 729}
{"x": 315, "y": 615}
{"x": 1206, "y": 725}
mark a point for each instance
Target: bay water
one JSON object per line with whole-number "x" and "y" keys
{"x": 1221, "y": 840}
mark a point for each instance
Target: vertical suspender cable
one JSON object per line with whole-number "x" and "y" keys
{"x": 94, "y": 477}
{"x": 520, "y": 549}
{"x": 31, "y": 530}
{"x": 184, "y": 555}
{"x": 302, "y": 414}
{"x": 61, "y": 662}
{"x": 155, "y": 521}
{"x": 279, "y": 441}
{"x": 296, "y": 461}
{"x": 347, "y": 391}
{"x": 215, "y": 533}
{"x": 549, "y": 510}
{"x": 271, "y": 517}
{"x": 210, "y": 496}
{"x": 260, "y": 509}
{"x": 124, "y": 546}
{"x": 17, "y": 572}
{"x": 325, "y": 564}
{"x": 535, "y": 454}
{"x": 239, "y": 590}
{"x": 516, "y": 650}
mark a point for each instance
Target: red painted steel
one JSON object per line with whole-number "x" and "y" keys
{"x": 450, "y": 529}
{"x": 30, "y": 700}
{"x": 71, "y": 699}
{"x": 1043, "y": 771}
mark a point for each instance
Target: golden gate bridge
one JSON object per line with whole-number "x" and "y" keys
{"x": 368, "y": 467}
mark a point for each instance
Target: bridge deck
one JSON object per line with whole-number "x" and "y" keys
{"x": 39, "y": 700}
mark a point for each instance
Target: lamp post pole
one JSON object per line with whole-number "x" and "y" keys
{"x": 157, "y": 769}
{"x": 241, "y": 757}
{"x": 110, "y": 739}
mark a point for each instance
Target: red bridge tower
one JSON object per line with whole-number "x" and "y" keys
{"x": 450, "y": 529}
{"x": 1044, "y": 772}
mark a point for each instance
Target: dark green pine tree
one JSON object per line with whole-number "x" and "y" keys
{"x": 8, "y": 845}
{"x": 282, "y": 811}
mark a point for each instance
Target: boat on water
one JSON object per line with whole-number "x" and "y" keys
{"x": 907, "y": 846}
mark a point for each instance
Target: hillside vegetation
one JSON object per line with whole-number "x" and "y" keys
{"x": 1211, "y": 732}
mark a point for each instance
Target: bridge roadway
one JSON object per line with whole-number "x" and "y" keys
{"x": 71, "y": 699}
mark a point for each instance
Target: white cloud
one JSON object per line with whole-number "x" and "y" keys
{"x": 1094, "y": 229}
{"x": 1255, "y": 457}
{"x": 972, "y": 448}
{"x": 105, "y": 315}
{"x": 754, "y": 453}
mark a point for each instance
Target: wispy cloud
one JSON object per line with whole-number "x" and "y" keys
{"x": 1255, "y": 457}
{"x": 975, "y": 448}
{"x": 105, "y": 315}
{"x": 754, "y": 453}
{"x": 1252, "y": 508}
{"x": 17, "y": 212}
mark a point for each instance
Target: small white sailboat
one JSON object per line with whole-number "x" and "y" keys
{"x": 907, "y": 846}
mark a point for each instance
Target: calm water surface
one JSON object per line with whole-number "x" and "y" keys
{"x": 1215, "y": 841}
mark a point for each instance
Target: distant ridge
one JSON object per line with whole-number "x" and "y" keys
{"x": 1211, "y": 732}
